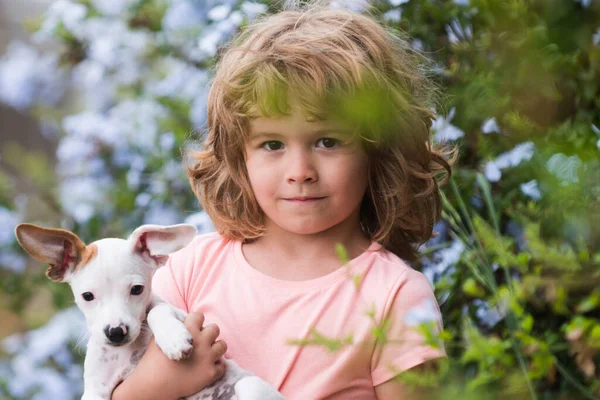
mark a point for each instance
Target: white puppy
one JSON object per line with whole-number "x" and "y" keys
{"x": 111, "y": 280}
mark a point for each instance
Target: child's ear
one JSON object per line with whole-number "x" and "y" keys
{"x": 154, "y": 243}
{"x": 59, "y": 248}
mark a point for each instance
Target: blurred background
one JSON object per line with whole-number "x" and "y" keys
{"x": 98, "y": 97}
{"x": 15, "y": 125}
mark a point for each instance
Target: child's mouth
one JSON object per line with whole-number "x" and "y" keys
{"x": 304, "y": 200}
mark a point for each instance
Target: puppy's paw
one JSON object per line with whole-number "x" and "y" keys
{"x": 174, "y": 340}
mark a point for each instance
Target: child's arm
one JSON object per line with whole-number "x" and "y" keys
{"x": 157, "y": 377}
{"x": 395, "y": 389}
{"x": 411, "y": 303}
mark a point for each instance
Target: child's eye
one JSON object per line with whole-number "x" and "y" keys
{"x": 328, "y": 143}
{"x": 272, "y": 145}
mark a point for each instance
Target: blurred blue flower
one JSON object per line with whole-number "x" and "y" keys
{"x": 512, "y": 158}
{"x": 66, "y": 13}
{"x": 219, "y": 13}
{"x": 27, "y": 77}
{"x": 184, "y": 15}
{"x": 444, "y": 130}
{"x": 252, "y": 10}
{"x": 489, "y": 126}
{"x": 531, "y": 189}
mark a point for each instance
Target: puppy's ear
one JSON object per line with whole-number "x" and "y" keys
{"x": 154, "y": 243}
{"x": 59, "y": 248}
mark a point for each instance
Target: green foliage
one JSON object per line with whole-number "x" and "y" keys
{"x": 315, "y": 338}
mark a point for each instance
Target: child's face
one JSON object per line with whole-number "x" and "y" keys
{"x": 307, "y": 176}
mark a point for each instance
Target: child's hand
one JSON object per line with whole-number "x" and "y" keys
{"x": 157, "y": 377}
{"x": 205, "y": 364}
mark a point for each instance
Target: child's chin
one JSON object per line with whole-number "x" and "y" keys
{"x": 312, "y": 230}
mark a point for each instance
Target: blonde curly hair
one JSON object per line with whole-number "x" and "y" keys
{"x": 337, "y": 64}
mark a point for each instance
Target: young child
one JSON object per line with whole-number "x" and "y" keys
{"x": 318, "y": 135}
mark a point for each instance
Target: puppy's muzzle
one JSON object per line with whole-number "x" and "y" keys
{"x": 116, "y": 336}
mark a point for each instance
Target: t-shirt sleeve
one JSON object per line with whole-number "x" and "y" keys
{"x": 410, "y": 302}
{"x": 169, "y": 286}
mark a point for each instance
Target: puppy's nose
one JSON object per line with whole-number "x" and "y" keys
{"x": 116, "y": 335}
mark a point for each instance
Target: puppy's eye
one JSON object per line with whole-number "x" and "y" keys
{"x": 88, "y": 296}
{"x": 137, "y": 290}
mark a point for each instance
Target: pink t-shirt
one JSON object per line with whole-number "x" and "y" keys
{"x": 260, "y": 316}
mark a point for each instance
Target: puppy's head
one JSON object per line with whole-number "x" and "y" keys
{"x": 110, "y": 278}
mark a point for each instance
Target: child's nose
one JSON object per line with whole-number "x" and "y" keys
{"x": 301, "y": 168}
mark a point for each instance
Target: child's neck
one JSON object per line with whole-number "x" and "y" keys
{"x": 288, "y": 256}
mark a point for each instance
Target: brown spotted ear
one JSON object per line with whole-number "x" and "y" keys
{"x": 59, "y": 248}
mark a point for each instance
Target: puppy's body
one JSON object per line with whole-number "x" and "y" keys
{"x": 111, "y": 280}
{"x": 106, "y": 366}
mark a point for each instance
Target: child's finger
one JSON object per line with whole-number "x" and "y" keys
{"x": 220, "y": 348}
{"x": 210, "y": 333}
{"x": 193, "y": 321}
{"x": 219, "y": 370}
